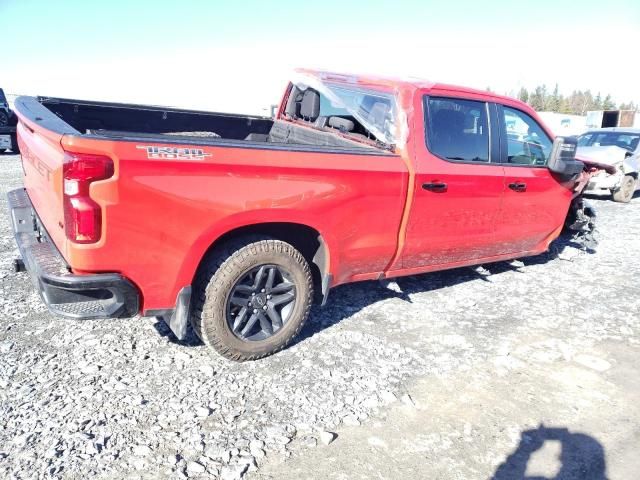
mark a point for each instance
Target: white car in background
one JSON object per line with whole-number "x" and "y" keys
{"x": 619, "y": 147}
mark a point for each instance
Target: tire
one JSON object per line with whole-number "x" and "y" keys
{"x": 4, "y": 119}
{"x": 223, "y": 283}
{"x": 2, "y": 150}
{"x": 627, "y": 188}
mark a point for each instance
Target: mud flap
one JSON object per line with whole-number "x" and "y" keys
{"x": 178, "y": 319}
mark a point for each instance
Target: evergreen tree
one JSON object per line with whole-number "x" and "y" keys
{"x": 607, "y": 103}
{"x": 597, "y": 103}
{"x": 523, "y": 95}
{"x": 577, "y": 103}
{"x": 538, "y": 97}
{"x": 553, "y": 102}
{"x": 628, "y": 106}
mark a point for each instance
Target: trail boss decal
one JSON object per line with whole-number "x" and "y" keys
{"x": 173, "y": 153}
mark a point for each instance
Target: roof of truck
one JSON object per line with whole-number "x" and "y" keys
{"x": 394, "y": 83}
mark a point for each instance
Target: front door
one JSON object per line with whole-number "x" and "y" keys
{"x": 459, "y": 185}
{"x": 536, "y": 201}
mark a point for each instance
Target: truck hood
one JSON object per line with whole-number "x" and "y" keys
{"x": 609, "y": 155}
{"x": 592, "y": 164}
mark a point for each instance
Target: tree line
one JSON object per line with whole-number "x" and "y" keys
{"x": 578, "y": 103}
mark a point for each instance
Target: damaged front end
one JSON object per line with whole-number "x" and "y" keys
{"x": 581, "y": 223}
{"x": 581, "y": 218}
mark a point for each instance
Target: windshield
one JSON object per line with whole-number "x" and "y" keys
{"x": 369, "y": 113}
{"x": 626, "y": 140}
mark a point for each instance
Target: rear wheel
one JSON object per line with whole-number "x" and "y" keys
{"x": 627, "y": 188}
{"x": 252, "y": 297}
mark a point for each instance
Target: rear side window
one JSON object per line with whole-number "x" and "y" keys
{"x": 527, "y": 143}
{"x": 457, "y": 130}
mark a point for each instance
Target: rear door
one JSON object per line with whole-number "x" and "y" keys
{"x": 536, "y": 201}
{"x": 459, "y": 184}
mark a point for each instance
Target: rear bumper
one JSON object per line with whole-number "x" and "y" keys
{"x": 102, "y": 295}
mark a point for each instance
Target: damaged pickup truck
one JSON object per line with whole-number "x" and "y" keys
{"x": 237, "y": 224}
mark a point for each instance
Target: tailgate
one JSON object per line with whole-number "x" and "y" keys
{"x": 39, "y": 134}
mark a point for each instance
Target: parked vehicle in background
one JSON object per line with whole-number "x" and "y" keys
{"x": 564, "y": 124}
{"x": 620, "y": 148}
{"x": 233, "y": 222}
{"x": 8, "y": 140}
{"x": 613, "y": 118}
{"x": 5, "y": 112}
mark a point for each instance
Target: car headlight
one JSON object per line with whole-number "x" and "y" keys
{"x": 619, "y": 166}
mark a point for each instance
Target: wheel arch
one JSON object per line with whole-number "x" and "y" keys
{"x": 308, "y": 240}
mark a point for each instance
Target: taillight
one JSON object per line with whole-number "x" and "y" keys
{"x": 83, "y": 216}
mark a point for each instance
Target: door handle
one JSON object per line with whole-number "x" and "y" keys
{"x": 518, "y": 186}
{"x": 435, "y": 187}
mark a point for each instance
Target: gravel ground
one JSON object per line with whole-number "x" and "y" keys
{"x": 121, "y": 399}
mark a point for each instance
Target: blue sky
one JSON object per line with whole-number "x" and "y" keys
{"x": 237, "y": 55}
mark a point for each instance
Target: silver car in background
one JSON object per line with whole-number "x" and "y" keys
{"x": 619, "y": 147}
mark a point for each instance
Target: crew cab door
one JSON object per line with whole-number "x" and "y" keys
{"x": 459, "y": 184}
{"x": 536, "y": 200}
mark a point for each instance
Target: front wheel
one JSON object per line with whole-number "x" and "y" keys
{"x": 624, "y": 194}
{"x": 251, "y": 298}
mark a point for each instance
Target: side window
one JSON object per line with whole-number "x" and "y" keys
{"x": 527, "y": 142}
{"x": 457, "y": 130}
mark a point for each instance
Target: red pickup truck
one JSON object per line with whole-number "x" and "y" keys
{"x": 232, "y": 222}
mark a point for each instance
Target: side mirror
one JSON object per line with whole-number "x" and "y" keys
{"x": 563, "y": 157}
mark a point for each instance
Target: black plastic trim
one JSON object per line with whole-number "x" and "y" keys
{"x": 91, "y": 296}
{"x": 134, "y": 106}
{"x": 496, "y": 134}
{"x": 34, "y": 111}
{"x": 176, "y": 318}
{"x": 327, "y": 280}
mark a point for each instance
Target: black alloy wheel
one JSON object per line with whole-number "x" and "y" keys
{"x": 260, "y": 303}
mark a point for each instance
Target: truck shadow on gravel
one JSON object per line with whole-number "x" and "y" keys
{"x": 346, "y": 300}
{"x": 580, "y": 457}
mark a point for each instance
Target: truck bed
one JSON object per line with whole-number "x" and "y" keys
{"x": 177, "y": 202}
{"x": 117, "y": 120}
